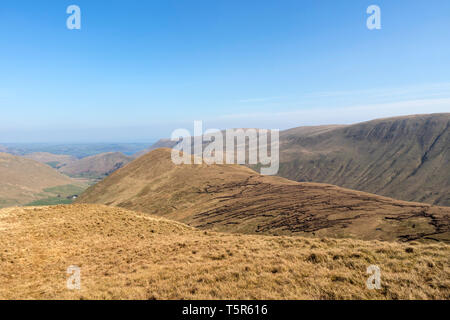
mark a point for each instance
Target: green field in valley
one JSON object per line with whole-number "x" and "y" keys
{"x": 58, "y": 195}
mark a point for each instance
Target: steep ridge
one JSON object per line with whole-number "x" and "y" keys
{"x": 162, "y": 143}
{"x": 404, "y": 158}
{"x": 23, "y": 180}
{"x": 128, "y": 255}
{"x": 234, "y": 198}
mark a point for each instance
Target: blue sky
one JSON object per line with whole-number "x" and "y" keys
{"x": 139, "y": 69}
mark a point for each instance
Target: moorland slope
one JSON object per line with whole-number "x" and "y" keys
{"x": 129, "y": 255}
{"x": 236, "y": 199}
{"x": 405, "y": 158}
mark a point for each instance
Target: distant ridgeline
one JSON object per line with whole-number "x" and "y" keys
{"x": 406, "y": 158}
{"x": 77, "y": 150}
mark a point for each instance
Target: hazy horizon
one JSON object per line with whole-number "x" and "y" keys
{"x": 187, "y": 125}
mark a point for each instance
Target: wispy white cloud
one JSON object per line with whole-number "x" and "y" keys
{"x": 327, "y": 115}
{"x": 331, "y": 101}
{"x": 430, "y": 89}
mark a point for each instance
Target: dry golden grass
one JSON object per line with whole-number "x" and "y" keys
{"x": 129, "y": 255}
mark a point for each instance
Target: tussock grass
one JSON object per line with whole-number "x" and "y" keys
{"x": 129, "y": 255}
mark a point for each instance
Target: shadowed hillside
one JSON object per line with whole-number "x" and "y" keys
{"x": 23, "y": 180}
{"x": 234, "y": 198}
{"x": 129, "y": 255}
{"x": 405, "y": 158}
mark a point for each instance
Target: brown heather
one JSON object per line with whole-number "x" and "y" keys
{"x": 236, "y": 199}
{"x": 404, "y": 158}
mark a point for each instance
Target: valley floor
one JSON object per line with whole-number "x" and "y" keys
{"x": 128, "y": 255}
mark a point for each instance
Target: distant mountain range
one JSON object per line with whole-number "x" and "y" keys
{"x": 97, "y": 166}
{"x": 406, "y": 158}
{"x": 54, "y": 160}
{"x": 76, "y": 150}
{"x": 94, "y": 167}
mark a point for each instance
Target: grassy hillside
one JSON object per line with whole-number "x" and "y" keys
{"x": 129, "y": 255}
{"x": 405, "y": 158}
{"x": 92, "y": 168}
{"x": 54, "y": 160}
{"x": 97, "y": 166}
{"x": 58, "y": 195}
{"x": 234, "y": 198}
{"x": 23, "y": 180}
